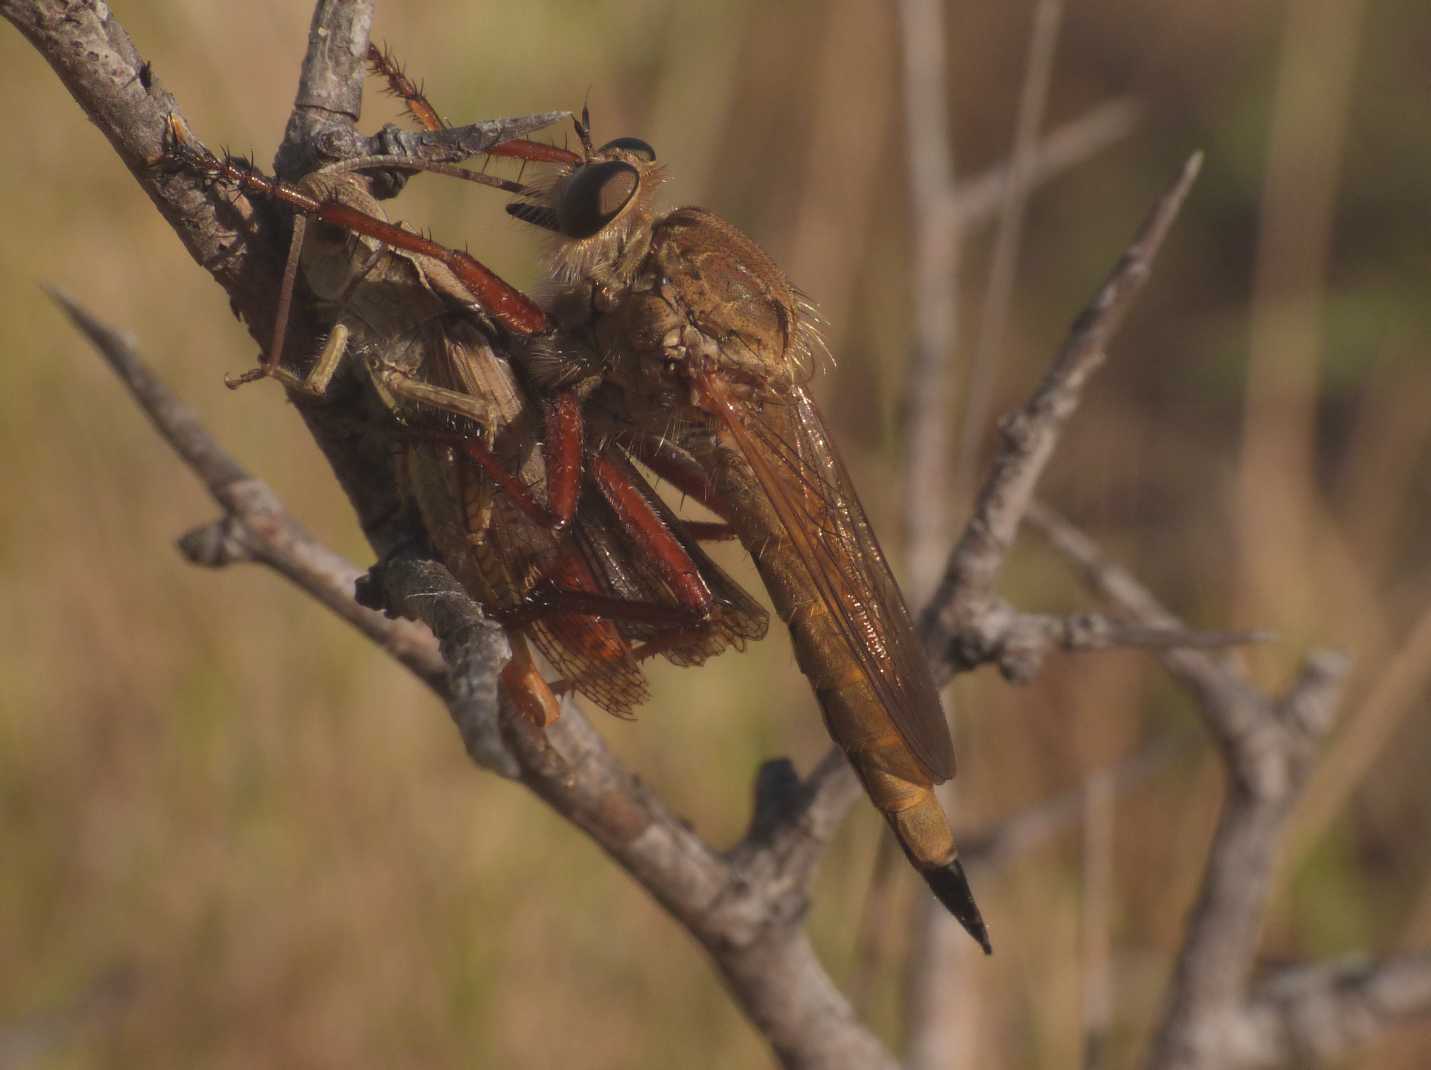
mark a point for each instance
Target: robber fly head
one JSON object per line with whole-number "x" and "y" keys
{"x": 599, "y": 207}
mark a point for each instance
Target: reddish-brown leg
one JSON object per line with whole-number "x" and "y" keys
{"x": 503, "y": 302}
{"x": 571, "y": 589}
{"x": 562, "y": 450}
{"x": 677, "y": 468}
{"x": 626, "y": 493}
{"x": 386, "y": 66}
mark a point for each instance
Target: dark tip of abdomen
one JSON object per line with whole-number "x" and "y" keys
{"x": 951, "y": 888}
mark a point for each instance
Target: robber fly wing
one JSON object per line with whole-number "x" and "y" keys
{"x": 798, "y": 467}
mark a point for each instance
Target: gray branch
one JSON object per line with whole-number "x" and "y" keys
{"x": 1017, "y": 642}
{"x": 1269, "y": 745}
{"x": 746, "y": 907}
{"x": 1032, "y": 432}
{"x": 1325, "y": 1012}
{"x": 330, "y": 86}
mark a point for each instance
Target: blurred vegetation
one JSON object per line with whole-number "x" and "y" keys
{"x": 261, "y": 844}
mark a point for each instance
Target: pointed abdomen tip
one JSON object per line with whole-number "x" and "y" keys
{"x": 951, "y": 887}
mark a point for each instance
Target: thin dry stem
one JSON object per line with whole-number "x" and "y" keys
{"x": 1277, "y": 487}
{"x": 998, "y": 295}
{"x": 1095, "y": 928}
{"x": 926, "y": 408}
{"x": 927, "y": 378}
{"x": 1013, "y": 837}
{"x": 977, "y": 200}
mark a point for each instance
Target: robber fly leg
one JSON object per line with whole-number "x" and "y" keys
{"x": 546, "y": 599}
{"x": 626, "y": 492}
{"x": 680, "y": 470}
{"x": 683, "y": 472}
{"x": 562, "y": 452}
{"x": 385, "y": 65}
{"x": 503, "y": 302}
{"x": 709, "y": 530}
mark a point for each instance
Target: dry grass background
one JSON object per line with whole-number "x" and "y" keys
{"x": 232, "y": 835}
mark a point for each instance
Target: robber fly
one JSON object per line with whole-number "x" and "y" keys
{"x": 545, "y": 547}
{"x": 684, "y": 346}
{"x": 703, "y": 348}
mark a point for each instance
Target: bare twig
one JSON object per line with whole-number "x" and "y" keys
{"x": 746, "y": 907}
{"x": 1031, "y": 433}
{"x": 474, "y": 649}
{"x": 100, "y": 66}
{"x": 1231, "y": 703}
{"x": 1325, "y": 1012}
{"x": 947, "y": 213}
{"x": 330, "y": 84}
{"x": 1017, "y": 642}
{"x": 965, "y": 594}
{"x": 255, "y": 526}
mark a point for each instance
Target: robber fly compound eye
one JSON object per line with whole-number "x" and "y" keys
{"x": 595, "y": 196}
{"x": 634, "y": 145}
